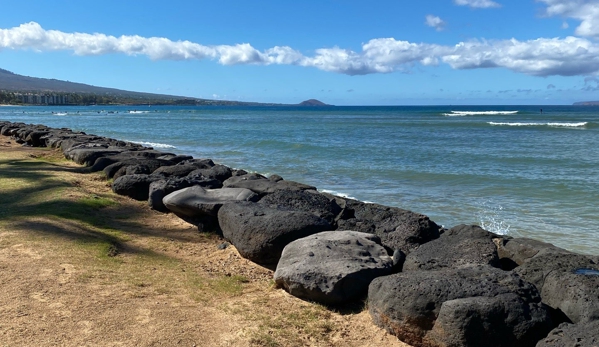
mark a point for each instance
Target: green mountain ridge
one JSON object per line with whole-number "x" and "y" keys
{"x": 19, "y": 89}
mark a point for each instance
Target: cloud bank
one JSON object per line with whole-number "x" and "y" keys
{"x": 541, "y": 57}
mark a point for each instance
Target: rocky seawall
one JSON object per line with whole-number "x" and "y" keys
{"x": 428, "y": 286}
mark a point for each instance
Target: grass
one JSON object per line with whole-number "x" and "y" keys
{"x": 48, "y": 205}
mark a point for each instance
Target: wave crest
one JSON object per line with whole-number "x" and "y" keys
{"x": 477, "y": 113}
{"x": 549, "y": 124}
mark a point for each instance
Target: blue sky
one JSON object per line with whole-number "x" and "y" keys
{"x": 342, "y": 52}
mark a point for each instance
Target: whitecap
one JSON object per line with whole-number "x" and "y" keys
{"x": 477, "y": 113}
{"x": 332, "y": 192}
{"x": 549, "y": 124}
{"x": 139, "y": 111}
{"x": 153, "y": 144}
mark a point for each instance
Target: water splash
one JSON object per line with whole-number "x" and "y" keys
{"x": 491, "y": 218}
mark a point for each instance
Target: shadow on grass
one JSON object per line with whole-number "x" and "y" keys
{"x": 35, "y": 196}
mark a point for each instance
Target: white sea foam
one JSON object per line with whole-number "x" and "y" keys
{"x": 60, "y": 113}
{"x": 332, "y": 192}
{"x": 139, "y": 111}
{"x": 477, "y": 113}
{"x": 154, "y": 144}
{"x": 550, "y": 124}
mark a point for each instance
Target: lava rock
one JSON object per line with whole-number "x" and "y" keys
{"x": 262, "y": 185}
{"x": 134, "y": 186}
{"x": 459, "y": 246}
{"x": 567, "y": 281}
{"x": 304, "y": 200}
{"x": 261, "y": 232}
{"x": 570, "y": 335}
{"x": 469, "y": 306}
{"x": 332, "y": 267}
{"x": 397, "y": 228}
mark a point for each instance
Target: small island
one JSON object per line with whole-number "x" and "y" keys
{"x": 313, "y": 102}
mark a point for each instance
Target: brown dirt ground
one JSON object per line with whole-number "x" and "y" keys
{"x": 81, "y": 266}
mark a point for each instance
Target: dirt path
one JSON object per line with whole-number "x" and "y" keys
{"x": 81, "y": 266}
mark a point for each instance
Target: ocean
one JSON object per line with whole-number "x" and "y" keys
{"x": 514, "y": 170}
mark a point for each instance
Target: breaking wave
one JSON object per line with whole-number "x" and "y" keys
{"x": 550, "y": 124}
{"x": 477, "y": 113}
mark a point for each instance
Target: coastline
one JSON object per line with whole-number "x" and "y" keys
{"x": 88, "y": 266}
{"x": 445, "y": 252}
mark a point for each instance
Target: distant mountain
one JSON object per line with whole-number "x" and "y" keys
{"x": 19, "y": 89}
{"x": 312, "y": 102}
{"x": 17, "y": 83}
{"x": 587, "y": 103}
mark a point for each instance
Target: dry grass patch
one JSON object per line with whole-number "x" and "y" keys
{"x": 81, "y": 266}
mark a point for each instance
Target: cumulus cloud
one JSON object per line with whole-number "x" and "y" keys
{"x": 477, "y": 3}
{"x": 541, "y": 57}
{"x": 550, "y": 86}
{"x": 435, "y": 22}
{"x": 586, "y": 11}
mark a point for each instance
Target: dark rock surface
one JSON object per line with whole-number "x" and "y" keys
{"x": 260, "y": 232}
{"x": 134, "y": 186}
{"x": 332, "y": 267}
{"x": 518, "y": 250}
{"x": 262, "y": 185}
{"x": 470, "y": 306}
{"x": 397, "y": 228}
{"x": 218, "y": 172}
{"x": 563, "y": 285}
{"x": 304, "y": 200}
{"x": 573, "y": 335}
{"x": 197, "y": 201}
{"x": 459, "y": 246}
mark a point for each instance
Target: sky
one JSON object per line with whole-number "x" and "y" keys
{"x": 342, "y": 52}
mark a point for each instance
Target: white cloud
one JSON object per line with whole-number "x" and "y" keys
{"x": 435, "y": 22}
{"x": 477, "y": 3}
{"x": 586, "y": 11}
{"x": 541, "y": 57}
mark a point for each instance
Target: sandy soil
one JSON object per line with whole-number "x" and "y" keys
{"x": 81, "y": 266}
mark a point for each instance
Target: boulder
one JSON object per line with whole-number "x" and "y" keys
{"x": 459, "y": 246}
{"x": 262, "y": 185}
{"x": 219, "y": 172}
{"x": 304, "y": 200}
{"x": 175, "y": 170}
{"x": 569, "y": 335}
{"x": 123, "y": 162}
{"x": 514, "y": 252}
{"x": 134, "y": 186}
{"x": 34, "y": 138}
{"x": 87, "y": 154}
{"x": 197, "y": 201}
{"x": 159, "y": 189}
{"x": 567, "y": 281}
{"x": 260, "y": 232}
{"x": 397, "y": 228}
{"x": 332, "y": 267}
{"x": 469, "y": 306}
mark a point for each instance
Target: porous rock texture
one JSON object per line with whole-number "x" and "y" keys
{"x": 468, "y": 306}
{"x": 459, "y": 246}
{"x": 260, "y": 232}
{"x": 397, "y": 228}
{"x": 573, "y": 335}
{"x": 564, "y": 284}
{"x": 332, "y": 267}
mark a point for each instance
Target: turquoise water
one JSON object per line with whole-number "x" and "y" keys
{"x": 511, "y": 169}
